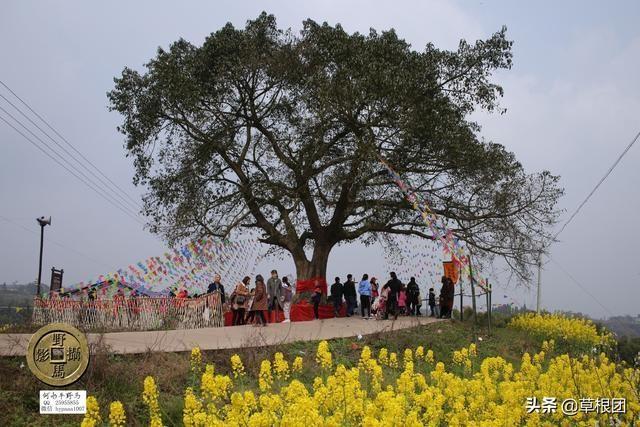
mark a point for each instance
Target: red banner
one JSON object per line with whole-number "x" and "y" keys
{"x": 309, "y": 285}
{"x": 451, "y": 271}
{"x": 303, "y": 311}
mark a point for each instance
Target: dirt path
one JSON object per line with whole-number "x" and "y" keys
{"x": 228, "y": 337}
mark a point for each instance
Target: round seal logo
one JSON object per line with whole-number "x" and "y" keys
{"x": 58, "y": 354}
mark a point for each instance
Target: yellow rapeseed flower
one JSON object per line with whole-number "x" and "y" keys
{"x": 237, "y": 366}
{"x": 429, "y": 357}
{"x": 281, "y": 366}
{"x": 117, "y": 417}
{"x": 196, "y": 359}
{"x": 383, "y": 356}
{"x": 265, "y": 379}
{"x": 323, "y": 355}
{"x": 297, "y": 364}
{"x": 150, "y": 398}
{"x": 92, "y": 415}
{"x": 393, "y": 360}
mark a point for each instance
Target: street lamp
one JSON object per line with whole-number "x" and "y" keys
{"x": 43, "y": 222}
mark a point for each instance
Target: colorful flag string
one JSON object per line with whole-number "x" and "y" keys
{"x": 191, "y": 267}
{"x": 441, "y": 233}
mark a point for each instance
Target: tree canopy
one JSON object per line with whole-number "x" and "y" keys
{"x": 282, "y": 132}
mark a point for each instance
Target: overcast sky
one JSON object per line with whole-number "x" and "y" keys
{"x": 573, "y": 100}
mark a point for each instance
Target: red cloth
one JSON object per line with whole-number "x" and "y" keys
{"x": 309, "y": 285}
{"x": 276, "y": 316}
{"x": 303, "y": 311}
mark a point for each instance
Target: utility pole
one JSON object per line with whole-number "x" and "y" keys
{"x": 539, "y": 282}
{"x": 43, "y": 222}
{"x": 488, "y": 293}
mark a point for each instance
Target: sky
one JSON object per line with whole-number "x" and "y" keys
{"x": 572, "y": 100}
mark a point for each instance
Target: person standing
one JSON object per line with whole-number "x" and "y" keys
{"x": 446, "y": 297}
{"x": 259, "y": 301}
{"x": 413, "y": 293}
{"x": 216, "y": 286}
{"x": 287, "y": 296}
{"x": 350, "y": 294}
{"x": 239, "y": 298}
{"x": 394, "y": 286}
{"x": 443, "y": 297}
{"x": 451, "y": 296}
{"x": 374, "y": 289}
{"x": 364, "y": 289}
{"x": 251, "y": 316}
{"x": 432, "y": 302}
{"x": 274, "y": 290}
{"x": 336, "y": 295}
{"x": 315, "y": 298}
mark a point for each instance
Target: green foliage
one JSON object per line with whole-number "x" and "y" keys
{"x": 629, "y": 349}
{"x": 263, "y": 128}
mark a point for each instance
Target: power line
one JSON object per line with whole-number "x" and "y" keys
{"x": 596, "y": 187}
{"x": 90, "y": 185}
{"x": 580, "y": 286}
{"x": 137, "y": 203}
{"x": 126, "y": 203}
{"x": 100, "y": 190}
{"x": 550, "y": 242}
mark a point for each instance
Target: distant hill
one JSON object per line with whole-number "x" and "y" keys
{"x": 16, "y": 301}
{"x": 624, "y": 326}
{"x": 15, "y": 294}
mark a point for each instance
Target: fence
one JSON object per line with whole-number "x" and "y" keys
{"x": 138, "y": 313}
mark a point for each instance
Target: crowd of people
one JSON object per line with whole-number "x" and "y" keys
{"x": 395, "y": 298}
{"x": 248, "y": 304}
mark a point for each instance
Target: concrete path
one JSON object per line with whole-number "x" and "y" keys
{"x": 228, "y": 337}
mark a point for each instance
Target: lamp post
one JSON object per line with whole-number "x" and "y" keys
{"x": 43, "y": 222}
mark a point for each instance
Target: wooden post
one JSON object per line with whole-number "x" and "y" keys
{"x": 473, "y": 291}
{"x": 461, "y": 315}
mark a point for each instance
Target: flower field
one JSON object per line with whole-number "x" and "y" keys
{"x": 409, "y": 388}
{"x": 579, "y": 333}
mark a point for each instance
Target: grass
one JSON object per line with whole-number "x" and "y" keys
{"x": 120, "y": 377}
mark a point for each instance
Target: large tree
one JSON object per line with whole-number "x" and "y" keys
{"x": 283, "y": 132}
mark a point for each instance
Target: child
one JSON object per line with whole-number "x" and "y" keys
{"x": 381, "y": 303}
{"x": 418, "y": 303}
{"x": 315, "y": 298}
{"x": 432, "y": 302}
{"x": 402, "y": 301}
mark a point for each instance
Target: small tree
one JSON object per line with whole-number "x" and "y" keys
{"x": 263, "y": 128}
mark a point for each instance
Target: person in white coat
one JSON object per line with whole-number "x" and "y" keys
{"x": 286, "y": 297}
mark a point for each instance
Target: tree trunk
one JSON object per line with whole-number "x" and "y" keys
{"x": 316, "y": 267}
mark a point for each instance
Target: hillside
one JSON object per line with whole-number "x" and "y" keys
{"x": 624, "y": 326}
